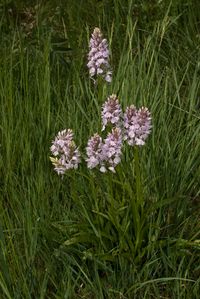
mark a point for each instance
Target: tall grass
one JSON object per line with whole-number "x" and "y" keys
{"x": 76, "y": 237}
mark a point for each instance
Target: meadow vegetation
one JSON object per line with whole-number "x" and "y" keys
{"x": 130, "y": 234}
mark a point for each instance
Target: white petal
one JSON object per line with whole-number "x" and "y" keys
{"x": 103, "y": 169}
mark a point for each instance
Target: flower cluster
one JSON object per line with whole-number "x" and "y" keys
{"x": 66, "y": 153}
{"x": 98, "y": 57}
{"x": 137, "y": 125}
{"x": 111, "y": 150}
{"x": 111, "y": 112}
{"x": 132, "y": 127}
{"x": 105, "y": 154}
{"x": 94, "y": 151}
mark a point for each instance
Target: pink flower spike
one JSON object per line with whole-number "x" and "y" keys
{"x": 111, "y": 112}
{"x": 112, "y": 150}
{"x": 98, "y": 57}
{"x": 137, "y": 124}
{"x": 66, "y": 154}
{"x": 93, "y": 151}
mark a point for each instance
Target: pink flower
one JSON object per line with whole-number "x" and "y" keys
{"x": 93, "y": 150}
{"x": 137, "y": 124}
{"x": 66, "y": 154}
{"x": 111, "y": 111}
{"x": 111, "y": 150}
{"x": 106, "y": 154}
{"x": 98, "y": 57}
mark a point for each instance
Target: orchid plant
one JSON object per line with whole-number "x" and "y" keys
{"x": 104, "y": 151}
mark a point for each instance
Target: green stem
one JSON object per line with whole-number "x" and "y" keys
{"x": 137, "y": 206}
{"x": 138, "y": 178}
{"x": 100, "y": 90}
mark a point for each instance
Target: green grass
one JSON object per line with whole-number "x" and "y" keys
{"x": 76, "y": 237}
